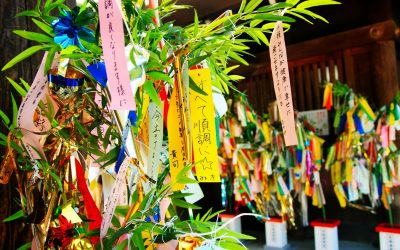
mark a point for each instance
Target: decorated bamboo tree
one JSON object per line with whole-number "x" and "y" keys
{"x": 86, "y": 141}
{"x": 364, "y": 160}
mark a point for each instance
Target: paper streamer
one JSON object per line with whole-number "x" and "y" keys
{"x": 155, "y": 143}
{"x": 113, "y": 44}
{"x": 203, "y": 128}
{"x": 178, "y": 133}
{"x": 111, "y": 203}
{"x": 280, "y": 75}
{"x": 25, "y": 119}
{"x": 69, "y": 213}
{"x": 219, "y": 102}
{"x": 93, "y": 213}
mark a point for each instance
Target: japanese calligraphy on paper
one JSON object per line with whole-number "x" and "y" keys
{"x": 203, "y": 128}
{"x": 280, "y": 75}
{"x": 113, "y": 44}
{"x": 155, "y": 143}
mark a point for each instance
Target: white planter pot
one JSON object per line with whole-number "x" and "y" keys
{"x": 275, "y": 233}
{"x": 326, "y": 234}
{"x": 235, "y": 225}
{"x": 389, "y": 236}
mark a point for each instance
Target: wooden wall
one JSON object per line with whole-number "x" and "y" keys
{"x": 364, "y": 58}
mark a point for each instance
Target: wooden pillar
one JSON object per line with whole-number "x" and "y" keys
{"x": 14, "y": 234}
{"x": 385, "y": 76}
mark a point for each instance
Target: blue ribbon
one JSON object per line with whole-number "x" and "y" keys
{"x": 358, "y": 123}
{"x": 131, "y": 122}
{"x": 156, "y": 215}
{"x": 64, "y": 81}
{"x": 342, "y": 123}
{"x": 98, "y": 71}
{"x": 299, "y": 156}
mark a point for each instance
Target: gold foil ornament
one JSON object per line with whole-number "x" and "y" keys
{"x": 189, "y": 243}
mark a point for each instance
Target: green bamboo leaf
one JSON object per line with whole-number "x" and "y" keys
{"x": 5, "y": 118}
{"x": 138, "y": 239}
{"x": 298, "y": 16}
{"x": 34, "y": 36}
{"x": 110, "y": 155}
{"x": 91, "y": 47}
{"x": 211, "y": 216}
{"x": 186, "y": 180}
{"x": 178, "y": 195}
{"x": 229, "y": 69}
{"x": 273, "y": 18}
{"x": 15, "y": 216}
{"x": 58, "y": 180}
{"x": 26, "y": 85}
{"x": 314, "y": 3}
{"x": 85, "y": 17}
{"x": 292, "y": 2}
{"x": 236, "y": 235}
{"x": 164, "y": 52}
{"x": 237, "y": 58}
{"x": 271, "y": 26}
{"x": 121, "y": 210}
{"x": 311, "y": 14}
{"x": 50, "y": 57}
{"x": 261, "y": 36}
{"x": 21, "y": 91}
{"x": 253, "y": 4}
{"x": 196, "y": 60}
{"x": 158, "y": 75}
{"x": 196, "y": 23}
{"x": 115, "y": 222}
{"x": 151, "y": 91}
{"x": 25, "y": 246}
{"x": 30, "y": 13}
{"x": 80, "y": 128}
{"x": 251, "y": 33}
{"x": 37, "y": 6}
{"x": 49, "y": 7}
{"x": 24, "y": 54}
{"x": 254, "y": 23}
{"x": 193, "y": 86}
{"x": 242, "y": 6}
{"x": 43, "y": 26}
{"x": 224, "y": 244}
{"x": 15, "y": 112}
{"x": 213, "y": 25}
{"x": 273, "y": 7}
{"x": 184, "y": 204}
{"x": 236, "y": 77}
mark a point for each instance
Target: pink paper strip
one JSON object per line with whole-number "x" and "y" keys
{"x": 27, "y": 109}
{"x": 280, "y": 75}
{"x": 385, "y": 136}
{"x": 112, "y": 35}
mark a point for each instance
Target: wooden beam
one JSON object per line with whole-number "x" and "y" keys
{"x": 382, "y": 31}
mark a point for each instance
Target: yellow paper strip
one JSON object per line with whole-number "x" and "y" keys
{"x": 203, "y": 128}
{"x": 178, "y": 133}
